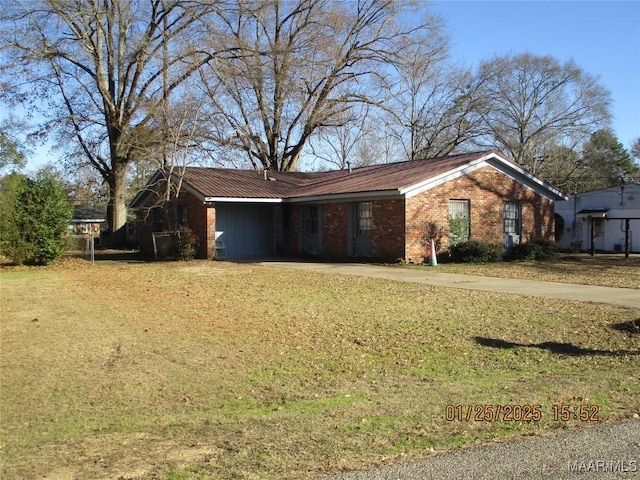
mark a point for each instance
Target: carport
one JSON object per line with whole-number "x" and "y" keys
{"x": 244, "y": 229}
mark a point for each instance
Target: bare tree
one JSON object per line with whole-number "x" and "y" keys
{"x": 433, "y": 104}
{"x": 635, "y": 149}
{"x": 341, "y": 146}
{"x": 535, "y": 104}
{"x": 300, "y": 66}
{"x": 104, "y": 72}
{"x": 635, "y": 154}
{"x": 562, "y": 166}
{"x": 377, "y": 146}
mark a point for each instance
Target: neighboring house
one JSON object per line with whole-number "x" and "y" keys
{"x": 378, "y": 212}
{"x": 601, "y": 215}
{"x": 89, "y": 221}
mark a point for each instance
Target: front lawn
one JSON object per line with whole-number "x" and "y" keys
{"x": 220, "y": 370}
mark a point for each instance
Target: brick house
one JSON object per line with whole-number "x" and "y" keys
{"x": 378, "y": 212}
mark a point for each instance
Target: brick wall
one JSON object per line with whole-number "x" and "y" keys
{"x": 205, "y": 228}
{"x": 200, "y": 219}
{"x": 334, "y": 235}
{"x": 487, "y": 189}
{"x": 398, "y": 225}
{"x": 388, "y": 229}
{"x": 387, "y": 236}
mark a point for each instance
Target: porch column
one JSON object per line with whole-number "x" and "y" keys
{"x": 627, "y": 246}
{"x": 592, "y": 247}
{"x": 211, "y": 232}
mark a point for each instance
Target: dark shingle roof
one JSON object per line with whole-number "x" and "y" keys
{"x": 87, "y": 212}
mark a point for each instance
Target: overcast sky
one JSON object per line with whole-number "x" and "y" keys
{"x": 602, "y": 37}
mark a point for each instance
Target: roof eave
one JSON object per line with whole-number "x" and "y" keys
{"x": 499, "y": 163}
{"x": 420, "y": 187}
{"x": 371, "y": 194}
{"x": 242, "y": 200}
{"x": 140, "y": 200}
{"x": 539, "y": 186}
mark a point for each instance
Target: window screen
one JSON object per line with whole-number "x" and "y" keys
{"x": 365, "y": 217}
{"x": 182, "y": 216}
{"x": 512, "y": 218}
{"x": 310, "y": 219}
{"x": 459, "y": 221}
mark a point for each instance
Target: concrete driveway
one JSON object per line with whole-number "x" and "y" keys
{"x": 625, "y": 297}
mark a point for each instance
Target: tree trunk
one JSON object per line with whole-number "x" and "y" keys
{"x": 117, "y": 207}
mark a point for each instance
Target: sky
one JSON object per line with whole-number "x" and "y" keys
{"x": 601, "y": 37}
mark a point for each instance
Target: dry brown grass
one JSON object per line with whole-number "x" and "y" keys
{"x": 602, "y": 269}
{"x": 220, "y": 370}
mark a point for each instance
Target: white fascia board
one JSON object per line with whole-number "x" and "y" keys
{"x": 188, "y": 188}
{"x": 241, "y": 200}
{"x": 421, "y": 187}
{"x": 140, "y": 196}
{"x": 495, "y": 161}
{"x": 342, "y": 197}
{"x": 525, "y": 178}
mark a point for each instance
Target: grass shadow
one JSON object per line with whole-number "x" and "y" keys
{"x": 558, "y": 348}
{"x": 632, "y": 327}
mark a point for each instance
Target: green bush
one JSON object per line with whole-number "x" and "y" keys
{"x": 34, "y": 213}
{"x": 458, "y": 229}
{"x": 187, "y": 243}
{"x": 473, "y": 251}
{"x": 534, "y": 250}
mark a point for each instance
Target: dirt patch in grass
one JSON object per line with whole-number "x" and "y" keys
{"x": 213, "y": 369}
{"x": 604, "y": 270}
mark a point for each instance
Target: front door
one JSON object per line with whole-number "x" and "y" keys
{"x": 360, "y": 229}
{"x": 311, "y": 228}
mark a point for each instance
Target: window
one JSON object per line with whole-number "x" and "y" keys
{"x": 512, "y": 224}
{"x": 365, "y": 217}
{"x": 310, "y": 219}
{"x": 182, "y": 217}
{"x": 459, "y": 221}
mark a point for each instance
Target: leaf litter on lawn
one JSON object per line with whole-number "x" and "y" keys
{"x": 231, "y": 370}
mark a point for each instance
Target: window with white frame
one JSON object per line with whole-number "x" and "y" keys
{"x": 459, "y": 221}
{"x": 512, "y": 221}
